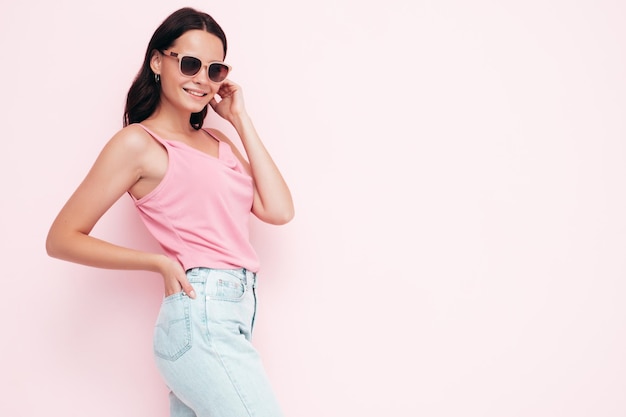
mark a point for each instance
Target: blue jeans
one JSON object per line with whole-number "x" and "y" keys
{"x": 203, "y": 351}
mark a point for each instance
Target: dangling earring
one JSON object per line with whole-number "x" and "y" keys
{"x": 157, "y": 78}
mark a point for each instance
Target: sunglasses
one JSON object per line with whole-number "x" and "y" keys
{"x": 189, "y": 66}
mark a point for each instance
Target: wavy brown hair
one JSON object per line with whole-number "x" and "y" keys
{"x": 144, "y": 94}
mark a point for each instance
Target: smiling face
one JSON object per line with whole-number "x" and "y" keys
{"x": 183, "y": 93}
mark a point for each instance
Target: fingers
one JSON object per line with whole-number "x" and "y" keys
{"x": 228, "y": 84}
{"x": 228, "y": 88}
{"x": 187, "y": 287}
{"x": 175, "y": 279}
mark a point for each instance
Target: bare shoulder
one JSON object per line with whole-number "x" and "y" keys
{"x": 131, "y": 139}
{"x": 131, "y": 151}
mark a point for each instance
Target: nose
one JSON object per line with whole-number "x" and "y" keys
{"x": 202, "y": 77}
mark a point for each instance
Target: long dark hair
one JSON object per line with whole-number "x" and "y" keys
{"x": 144, "y": 94}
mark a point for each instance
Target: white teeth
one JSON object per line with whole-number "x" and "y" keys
{"x": 196, "y": 93}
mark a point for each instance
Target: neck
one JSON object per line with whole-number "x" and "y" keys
{"x": 171, "y": 119}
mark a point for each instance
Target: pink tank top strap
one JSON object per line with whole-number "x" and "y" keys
{"x": 155, "y": 136}
{"x": 211, "y": 134}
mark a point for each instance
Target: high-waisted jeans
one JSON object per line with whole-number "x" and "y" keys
{"x": 203, "y": 351}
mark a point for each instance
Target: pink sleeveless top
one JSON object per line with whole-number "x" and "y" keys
{"x": 200, "y": 211}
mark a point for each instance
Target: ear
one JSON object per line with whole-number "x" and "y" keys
{"x": 155, "y": 62}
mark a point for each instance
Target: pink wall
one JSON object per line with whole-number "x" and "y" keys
{"x": 458, "y": 170}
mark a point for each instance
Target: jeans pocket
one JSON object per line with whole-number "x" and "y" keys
{"x": 172, "y": 332}
{"x": 226, "y": 287}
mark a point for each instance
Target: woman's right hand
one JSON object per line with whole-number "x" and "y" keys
{"x": 174, "y": 278}
{"x": 122, "y": 163}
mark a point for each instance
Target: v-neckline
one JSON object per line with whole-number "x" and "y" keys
{"x": 174, "y": 142}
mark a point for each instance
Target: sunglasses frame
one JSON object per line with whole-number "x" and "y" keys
{"x": 180, "y": 57}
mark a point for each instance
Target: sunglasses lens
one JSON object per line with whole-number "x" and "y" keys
{"x": 218, "y": 72}
{"x": 190, "y": 66}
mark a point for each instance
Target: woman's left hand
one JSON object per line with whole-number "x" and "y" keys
{"x": 231, "y": 103}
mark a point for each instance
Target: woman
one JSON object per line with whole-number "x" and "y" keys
{"x": 194, "y": 191}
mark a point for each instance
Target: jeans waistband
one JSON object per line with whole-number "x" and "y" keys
{"x": 201, "y": 274}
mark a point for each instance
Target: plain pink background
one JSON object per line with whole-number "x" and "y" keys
{"x": 458, "y": 170}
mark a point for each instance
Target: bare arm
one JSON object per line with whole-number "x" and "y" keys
{"x": 272, "y": 199}
{"x": 119, "y": 166}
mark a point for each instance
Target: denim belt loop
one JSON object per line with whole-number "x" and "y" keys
{"x": 249, "y": 278}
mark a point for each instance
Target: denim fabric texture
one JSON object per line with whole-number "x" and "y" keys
{"x": 203, "y": 348}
